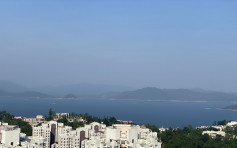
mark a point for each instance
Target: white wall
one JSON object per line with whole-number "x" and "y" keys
{"x": 113, "y": 134}
{"x": 9, "y": 136}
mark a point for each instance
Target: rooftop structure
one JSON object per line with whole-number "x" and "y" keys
{"x": 61, "y": 115}
{"x": 124, "y": 122}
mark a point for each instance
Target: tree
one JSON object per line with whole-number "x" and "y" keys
{"x": 154, "y": 128}
{"x": 51, "y": 114}
{"x": 8, "y": 118}
{"x": 223, "y": 122}
{"x": 73, "y": 115}
{"x": 205, "y": 138}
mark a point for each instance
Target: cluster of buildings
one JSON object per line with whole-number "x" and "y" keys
{"x": 34, "y": 121}
{"x": 52, "y": 134}
{"x": 39, "y": 119}
{"x": 95, "y": 135}
{"x": 219, "y": 129}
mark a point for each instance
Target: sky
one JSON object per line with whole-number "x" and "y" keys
{"x": 136, "y": 43}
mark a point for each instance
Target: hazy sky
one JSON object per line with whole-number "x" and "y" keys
{"x": 138, "y": 43}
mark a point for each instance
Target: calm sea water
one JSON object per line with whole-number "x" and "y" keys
{"x": 166, "y": 114}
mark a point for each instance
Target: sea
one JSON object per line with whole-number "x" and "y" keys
{"x": 161, "y": 113}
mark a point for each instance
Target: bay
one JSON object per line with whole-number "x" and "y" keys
{"x": 160, "y": 113}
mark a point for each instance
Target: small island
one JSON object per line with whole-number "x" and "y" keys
{"x": 231, "y": 107}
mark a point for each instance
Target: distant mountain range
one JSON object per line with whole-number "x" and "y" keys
{"x": 62, "y": 90}
{"x": 91, "y": 91}
{"x": 152, "y": 93}
{"x": 82, "y": 89}
{"x": 12, "y": 87}
{"x": 27, "y": 94}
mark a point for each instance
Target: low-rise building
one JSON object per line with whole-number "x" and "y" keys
{"x": 35, "y": 121}
{"x": 231, "y": 123}
{"x": 61, "y": 115}
{"x": 163, "y": 129}
{"x": 213, "y": 134}
{"x": 124, "y": 122}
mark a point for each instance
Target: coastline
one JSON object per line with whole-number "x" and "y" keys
{"x": 194, "y": 101}
{"x": 227, "y": 109}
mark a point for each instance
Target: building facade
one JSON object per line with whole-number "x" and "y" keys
{"x": 9, "y": 135}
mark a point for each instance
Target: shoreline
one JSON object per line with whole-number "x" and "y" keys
{"x": 197, "y": 101}
{"x": 227, "y": 109}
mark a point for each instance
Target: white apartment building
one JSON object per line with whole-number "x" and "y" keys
{"x": 47, "y": 131}
{"x": 69, "y": 140}
{"x": 9, "y": 135}
{"x": 10, "y": 138}
{"x": 50, "y": 132}
{"x": 33, "y": 143}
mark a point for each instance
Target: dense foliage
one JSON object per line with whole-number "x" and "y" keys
{"x": 223, "y": 122}
{"x": 191, "y": 137}
{"x": 74, "y": 124}
{"x": 108, "y": 121}
{"x": 8, "y": 118}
